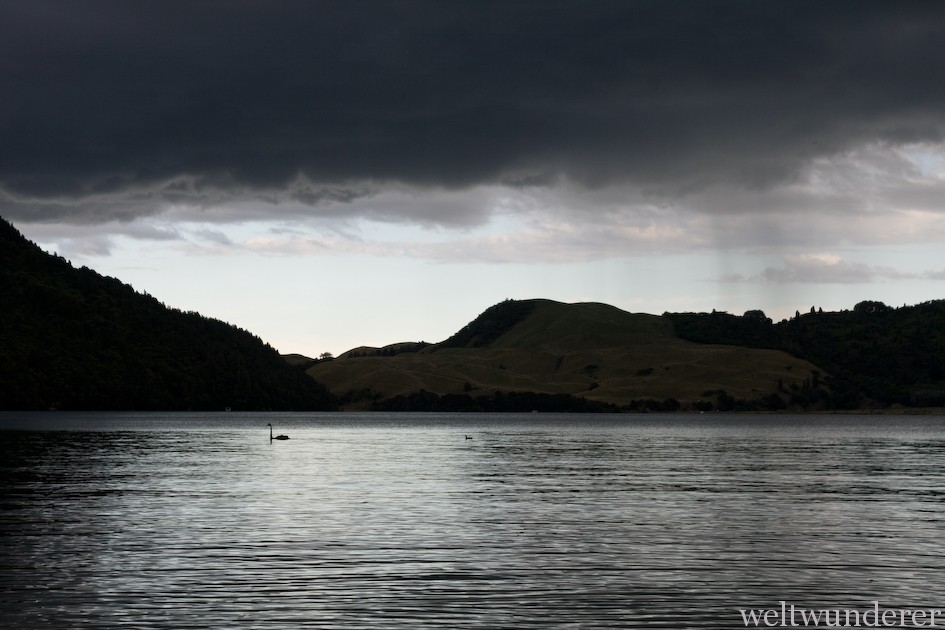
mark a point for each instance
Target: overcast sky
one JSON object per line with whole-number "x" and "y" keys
{"x": 332, "y": 174}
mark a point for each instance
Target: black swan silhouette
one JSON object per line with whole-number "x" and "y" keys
{"x": 278, "y": 437}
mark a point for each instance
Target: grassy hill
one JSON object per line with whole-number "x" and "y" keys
{"x": 73, "y": 339}
{"x": 591, "y": 351}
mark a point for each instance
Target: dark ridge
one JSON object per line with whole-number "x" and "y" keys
{"x": 387, "y": 351}
{"x": 491, "y": 324}
{"x": 876, "y": 352}
{"x": 74, "y": 339}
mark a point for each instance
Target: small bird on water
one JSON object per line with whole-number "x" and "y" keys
{"x": 467, "y": 437}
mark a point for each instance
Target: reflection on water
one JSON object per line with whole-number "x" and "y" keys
{"x": 540, "y": 521}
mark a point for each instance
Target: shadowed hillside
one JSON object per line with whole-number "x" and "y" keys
{"x": 877, "y": 354}
{"x": 73, "y": 339}
{"x": 587, "y": 351}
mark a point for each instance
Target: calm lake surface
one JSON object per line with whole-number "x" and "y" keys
{"x": 397, "y": 520}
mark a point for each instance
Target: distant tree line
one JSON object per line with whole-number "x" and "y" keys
{"x": 872, "y": 353}
{"x": 498, "y": 402}
{"x": 804, "y": 396}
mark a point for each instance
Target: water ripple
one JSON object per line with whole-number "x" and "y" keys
{"x": 169, "y": 521}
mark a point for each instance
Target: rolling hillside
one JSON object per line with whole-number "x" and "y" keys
{"x": 591, "y": 351}
{"x": 73, "y": 339}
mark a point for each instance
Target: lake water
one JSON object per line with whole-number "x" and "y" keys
{"x": 397, "y": 520}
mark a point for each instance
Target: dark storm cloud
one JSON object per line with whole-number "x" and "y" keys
{"x": 121, "y": 101}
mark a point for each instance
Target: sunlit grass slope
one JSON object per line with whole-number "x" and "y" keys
{"x": 591, "y": 350}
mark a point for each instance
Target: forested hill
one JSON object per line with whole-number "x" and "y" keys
{"x": 877, "y": 352}
{"x": 73, "y": 339}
